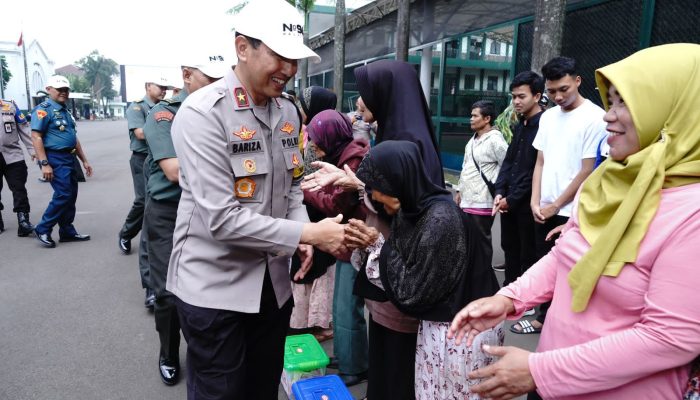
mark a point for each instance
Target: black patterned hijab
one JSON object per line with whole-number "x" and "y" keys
{"x": 428, "y": 265}
{"x": 315, "y": 99}
{"x": 392, "y": 92}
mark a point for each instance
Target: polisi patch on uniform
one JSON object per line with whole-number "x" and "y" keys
{"x": 287, "y": 128}
{"x": 295, "y": 160}
{"x": 289, "y": 143}
{"x": 41, "y": 114}
{"x": 161, "y": 116}
{"x": 246, "y": 147}
{"x": 249, "y": 165}
{"x": 5, "y": 106}
{"x": 244, "y": 188}
{"x": 241, "y": 97}
{"x": 245, "y": 133}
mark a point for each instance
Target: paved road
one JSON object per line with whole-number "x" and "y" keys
{"x": 72, "y": 321}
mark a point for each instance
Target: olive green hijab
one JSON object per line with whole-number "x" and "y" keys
{"x": 661, "y": 89}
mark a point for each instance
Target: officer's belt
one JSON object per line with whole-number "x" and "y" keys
{"x": 70, "y": 150}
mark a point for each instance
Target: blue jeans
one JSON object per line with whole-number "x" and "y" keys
{"x": 61, "y": 209}
{"x": 349, "y": 325}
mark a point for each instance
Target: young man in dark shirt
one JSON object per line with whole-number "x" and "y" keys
{"x": 514, "y": 183}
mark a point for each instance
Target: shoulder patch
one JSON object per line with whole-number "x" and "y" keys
{"x": 163, "y": 116}
{"x": 45, "y": 104}
{"x": 41, "y": 114}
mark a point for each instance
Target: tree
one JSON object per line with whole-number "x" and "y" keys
{"x": 402, "y": 30}
{"x": 6, "y": 74}
{"x": 339, "y": 53}
{"x": 305, "y": 6}
{"x": 549, "y": 31}
{"x": 99, "y": 71}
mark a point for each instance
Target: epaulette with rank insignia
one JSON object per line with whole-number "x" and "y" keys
{"x": 45, "y": 104}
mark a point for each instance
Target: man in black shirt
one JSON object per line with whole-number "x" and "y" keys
{"x": 514, "y": 183}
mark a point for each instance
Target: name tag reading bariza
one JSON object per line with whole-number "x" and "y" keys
{"x": 250, "y": 146}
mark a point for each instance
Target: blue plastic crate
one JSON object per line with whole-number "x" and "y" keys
{"x": 328, "y": 387}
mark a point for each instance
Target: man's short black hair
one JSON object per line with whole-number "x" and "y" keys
{"x": 486, "y": 109}
{"x": 253, "y": 41}
{"x": 531, "y": 79}
{"x": 558, "y": 67}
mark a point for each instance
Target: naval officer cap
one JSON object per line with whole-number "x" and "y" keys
{"x": 277, "y": 24}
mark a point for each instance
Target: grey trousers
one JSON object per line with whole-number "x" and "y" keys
{"x": 134, "y": 220}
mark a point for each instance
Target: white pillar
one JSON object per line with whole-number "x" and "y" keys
{"x": 426, "y": 69}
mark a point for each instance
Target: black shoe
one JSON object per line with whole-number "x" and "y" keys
{"x": 75, "y": 238}
{"x": 169, "y": 371}
{"x": 150, "y": 300}
{"x": 352, "y": 380}
{"x": 45, "y": 239}
{"x": 333, "y": 363}
{"x": 2, "y": 224}
{"x": 124, "y": 245}
{"x": 24, "y": 227}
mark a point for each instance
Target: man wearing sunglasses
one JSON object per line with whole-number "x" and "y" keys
{"x": 55, "y": 142}
{"x": 136, "y": 119}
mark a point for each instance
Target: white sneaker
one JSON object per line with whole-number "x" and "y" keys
{"x": 529, "y": 312}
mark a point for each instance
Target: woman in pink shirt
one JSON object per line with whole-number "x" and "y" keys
{"x": 623, "y": 277}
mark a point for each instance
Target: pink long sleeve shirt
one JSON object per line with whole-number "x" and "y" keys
{"x": 640, "y": 329}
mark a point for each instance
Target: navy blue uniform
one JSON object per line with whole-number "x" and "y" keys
{"x": 57, "y": 128}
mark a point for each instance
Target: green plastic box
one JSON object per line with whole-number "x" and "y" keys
{"x": 303, "y": 358}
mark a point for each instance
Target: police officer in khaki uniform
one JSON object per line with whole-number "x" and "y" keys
{"x": 136, "y": 119}
{"x": 240, "y": 216}
{"x": 12, "y": 165}
{"x": 162, "y": 196}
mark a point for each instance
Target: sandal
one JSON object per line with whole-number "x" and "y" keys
{"x": 525, "y": 328}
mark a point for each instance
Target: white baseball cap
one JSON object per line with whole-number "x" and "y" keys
{"x": 162, "y": 81}
{"x": 213, "y": 64}
{"x": 277, "y": 24}
{"x": 57, "y": 82}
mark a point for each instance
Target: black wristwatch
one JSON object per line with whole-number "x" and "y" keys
{"x": 43, "y": 163}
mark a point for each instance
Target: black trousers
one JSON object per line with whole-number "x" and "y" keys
{"x": 234, "y": 355}
{"x": 159, "y": 221}
{"x": 392, "y": 359}
{"x": 484, "y": 240}
{"x": 16, "y": 176}
{"x": 517, "y": 242}
{"x": 542, "y": 247}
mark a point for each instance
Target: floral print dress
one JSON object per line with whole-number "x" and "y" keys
{"x": 442, "y": 367}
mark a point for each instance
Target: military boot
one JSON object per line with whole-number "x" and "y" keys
{"x": 24, "y": 227}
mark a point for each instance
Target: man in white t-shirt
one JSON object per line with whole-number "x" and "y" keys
{"x": 566, "y": 143}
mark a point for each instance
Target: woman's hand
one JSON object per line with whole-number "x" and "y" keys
{"x": 554, "y": 232}
{"x": 508, "y": 377}
{"x": 327, "y": 174}
{"x": 358, "y": 235}
{"x": 349, "y": 183}
{"x": 478, "y": 316}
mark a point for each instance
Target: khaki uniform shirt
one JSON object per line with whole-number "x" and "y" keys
{"x": 14, "y": 128}
{"x": 241, "y": 209}
{"x": 136, "y": 118}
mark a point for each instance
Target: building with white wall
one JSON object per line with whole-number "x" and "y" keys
{"x": 39, "y": 66}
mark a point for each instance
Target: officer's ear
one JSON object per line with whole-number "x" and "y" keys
{"x": 186, "y": 75}
{"x": 243, "y": 47}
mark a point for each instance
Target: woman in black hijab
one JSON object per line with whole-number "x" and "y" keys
{"x": 392, "y": 92}
{"x": 429, "y": 268}
{"x": 315, "y": 99}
